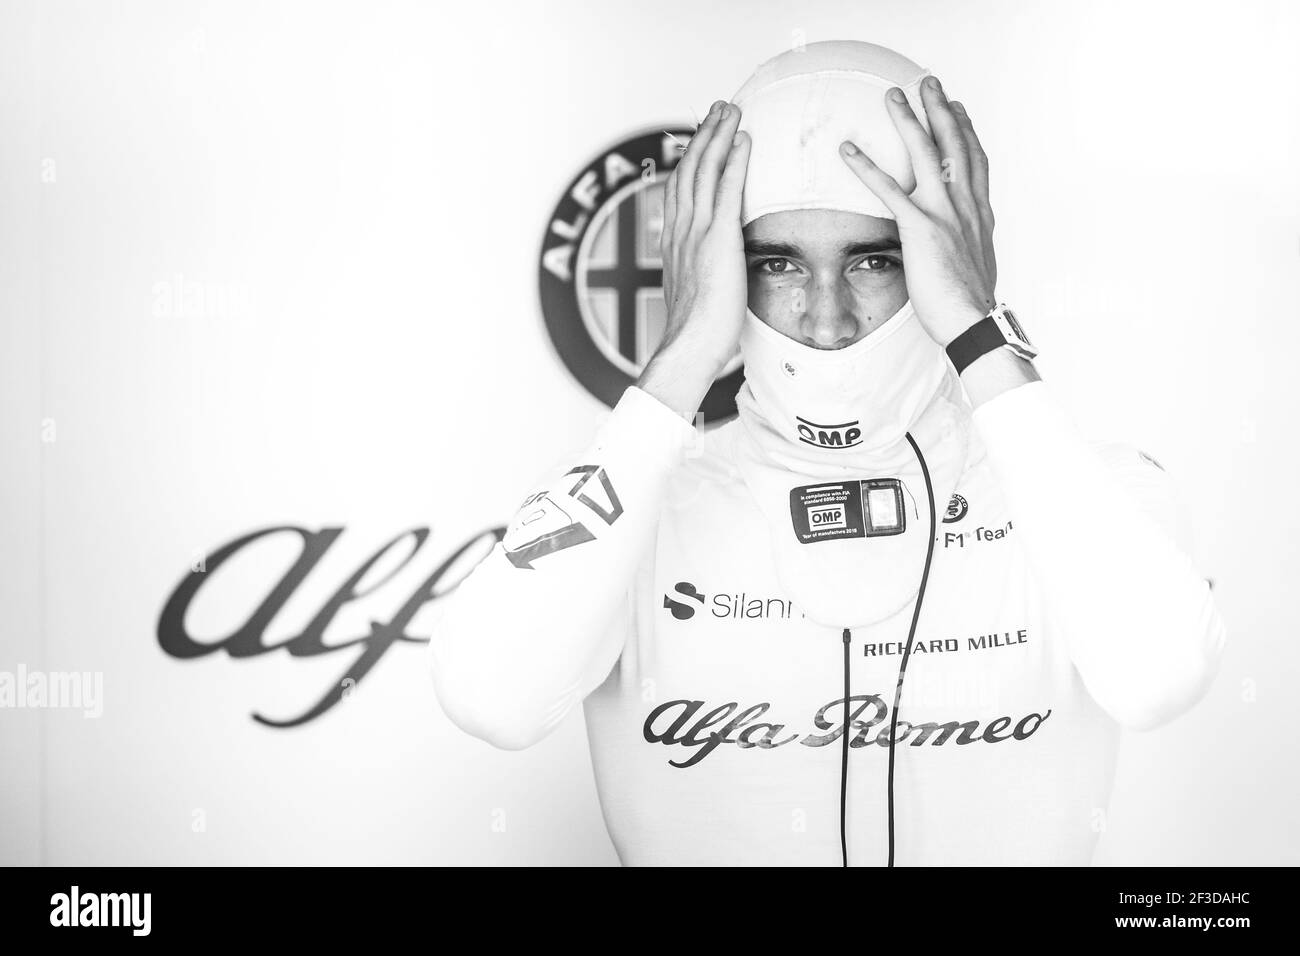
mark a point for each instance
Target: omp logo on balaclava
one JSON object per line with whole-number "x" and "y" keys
{"x": 601, "y": 278}
{"x": 845, "y": 435}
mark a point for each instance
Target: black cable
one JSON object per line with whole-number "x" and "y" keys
{"x": 844, "y": 760}
{"x": 907, "y": 651}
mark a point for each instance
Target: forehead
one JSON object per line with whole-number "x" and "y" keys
{"x": 819, "y": 229}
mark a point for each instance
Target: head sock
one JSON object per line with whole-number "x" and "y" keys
{"x": 824, "y": 445}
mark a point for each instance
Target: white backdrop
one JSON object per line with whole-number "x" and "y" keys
{"x": 272, "y": 263}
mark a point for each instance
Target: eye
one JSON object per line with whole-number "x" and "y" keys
{"x": 879, "y": 263}
{"x": 787, "y": 267}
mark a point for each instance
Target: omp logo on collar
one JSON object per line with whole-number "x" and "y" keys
{"x": 827, "y": 516}
{"x": 829, "y": 436}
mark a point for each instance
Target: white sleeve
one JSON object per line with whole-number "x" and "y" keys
{"x": 539, "y": 623}
{"x": 1110, "y": 551}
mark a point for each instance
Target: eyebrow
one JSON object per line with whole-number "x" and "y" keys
{"x": 768, "y": 247}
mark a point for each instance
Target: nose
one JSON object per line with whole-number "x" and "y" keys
{"x": 828, "y": 321}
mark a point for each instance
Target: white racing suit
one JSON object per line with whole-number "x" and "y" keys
{"x": 1059, "y": 605}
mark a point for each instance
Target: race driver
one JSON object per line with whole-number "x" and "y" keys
{"x": 898, "y": 611}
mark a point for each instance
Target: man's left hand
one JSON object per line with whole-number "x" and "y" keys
{"x": 946, "y": 224}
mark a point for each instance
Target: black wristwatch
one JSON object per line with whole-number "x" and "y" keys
{"x": 999, "y": 329}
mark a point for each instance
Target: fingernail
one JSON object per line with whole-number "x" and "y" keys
{"x": 897, "y": 95}
{"x": 727, "y": 111}
{"x": 717, "y": 105}
{"x": 933, "y": 82}
{"x": 849, "y": 148}
{"x": 957, "y": 107}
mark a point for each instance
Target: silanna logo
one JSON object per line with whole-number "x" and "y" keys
{"x": 686, "y": 599}
{"x": 957, "y": 508}
{"x": 829, "y": 436}
{"x": 601, "y": 278}
{"x": 683, "y": 612}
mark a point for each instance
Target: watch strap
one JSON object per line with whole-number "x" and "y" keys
{"x": 980, "y": 339}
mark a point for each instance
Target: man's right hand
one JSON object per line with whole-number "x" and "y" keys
{"x": 703, "y": 253}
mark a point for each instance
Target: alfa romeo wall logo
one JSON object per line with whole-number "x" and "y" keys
{"x": 601, "y": 278}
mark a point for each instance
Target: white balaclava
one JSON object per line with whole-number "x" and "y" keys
{"x": 824, "y": 446}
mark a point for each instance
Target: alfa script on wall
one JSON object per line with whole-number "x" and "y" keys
{"x": 248, "y": 639}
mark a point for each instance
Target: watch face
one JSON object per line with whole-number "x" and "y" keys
{"x": 1015, "y": 337}
{"x": 1015, "y": 327}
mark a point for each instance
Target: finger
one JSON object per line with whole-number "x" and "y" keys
{"x": 979, "y": 165}
{"x": 666, "y": 234}
{"x": 951, "y": 140}
{"x": 921, "y": 149}
{"x": 686, "y": 171}
{"x": 732, "y": 185}
{"x": 710, "y": 168}
{"x": 879, "y": 182}
{"x": 947, "y": 135}
{"x": 670, "y": 213}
